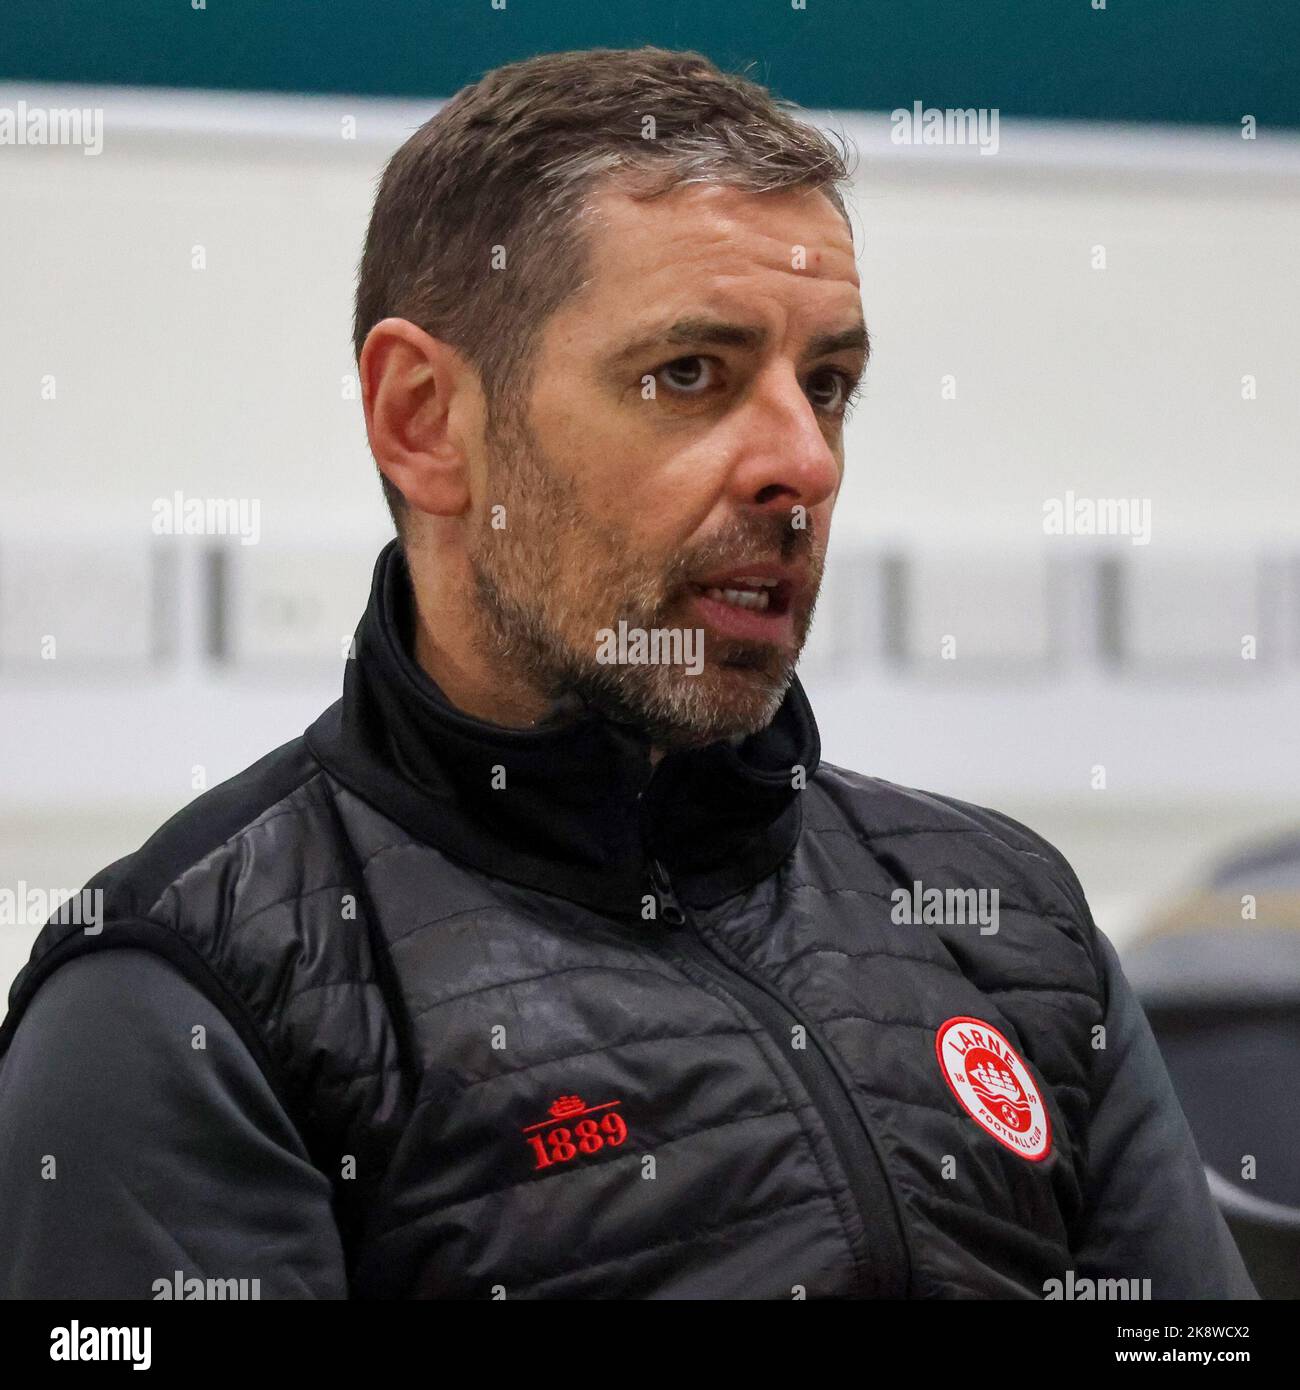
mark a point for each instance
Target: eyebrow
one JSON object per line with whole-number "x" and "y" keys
{"x": 700, "y": 331}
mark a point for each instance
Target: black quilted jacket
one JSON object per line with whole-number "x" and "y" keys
{"x": 554, "y": 1026}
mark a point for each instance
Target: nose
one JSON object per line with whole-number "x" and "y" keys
{"x": 785, "y": 457}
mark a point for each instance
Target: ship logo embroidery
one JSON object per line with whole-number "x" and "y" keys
{"x": 574, "y": 1128}
{"x": 993, "y": 1086}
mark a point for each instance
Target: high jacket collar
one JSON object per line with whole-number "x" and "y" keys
{"x": 572, "y": 806}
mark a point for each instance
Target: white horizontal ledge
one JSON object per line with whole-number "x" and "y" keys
{"x": 384, "y": 123}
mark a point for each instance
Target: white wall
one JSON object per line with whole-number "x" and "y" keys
{"x": 229, "y": 382}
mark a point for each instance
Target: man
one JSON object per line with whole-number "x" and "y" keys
{"x": 550, "y": 961}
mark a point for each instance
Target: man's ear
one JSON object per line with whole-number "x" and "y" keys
{"x": 414, "y": 389}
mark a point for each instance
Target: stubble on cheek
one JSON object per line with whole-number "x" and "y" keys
{"x": 558, "y": 572}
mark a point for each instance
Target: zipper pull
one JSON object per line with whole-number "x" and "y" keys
{"x": 671, "y": 911}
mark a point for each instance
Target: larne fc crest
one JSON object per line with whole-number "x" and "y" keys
{"x": 993, "y": 1086}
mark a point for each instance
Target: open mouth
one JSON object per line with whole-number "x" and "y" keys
{"x": 753, "y": 593}
{"x": 756, "y": 608}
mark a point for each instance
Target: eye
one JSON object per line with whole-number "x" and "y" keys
{"x": 691, "y": 376}
{"x": 832, "y": 390}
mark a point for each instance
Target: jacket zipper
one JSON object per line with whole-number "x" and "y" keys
{"x": 850, "y": 1135}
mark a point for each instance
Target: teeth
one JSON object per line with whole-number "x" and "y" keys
{"x": 742, "y": 598}
{"x": 752, "y": 582}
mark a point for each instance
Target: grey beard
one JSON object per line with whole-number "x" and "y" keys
{"x": 668, "y": 707}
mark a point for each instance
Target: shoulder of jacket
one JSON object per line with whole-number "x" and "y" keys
{"x": 884, "y": 813}
{"x": 251, "y": 841}
{"x": 257, "y": 815}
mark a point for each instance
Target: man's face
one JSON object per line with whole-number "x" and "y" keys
{"x": 679, "y": 461}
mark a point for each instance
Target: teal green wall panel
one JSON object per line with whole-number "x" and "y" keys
{"x": 1208, "y": 61}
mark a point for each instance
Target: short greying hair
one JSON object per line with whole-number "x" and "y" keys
{"x": 510, "y": 161}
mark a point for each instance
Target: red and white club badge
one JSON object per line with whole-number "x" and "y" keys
{"x": 994, "y": 1086}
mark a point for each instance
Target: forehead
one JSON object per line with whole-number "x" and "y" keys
{"x": 791, "y": 247}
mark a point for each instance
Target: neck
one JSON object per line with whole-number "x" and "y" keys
{"x": 463, "y": 678}
{"x": 448, "y": 646}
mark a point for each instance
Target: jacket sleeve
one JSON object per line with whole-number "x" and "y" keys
{"x": 1148, "y": 1213}
{"x": 126, "y": 1153}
